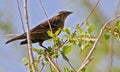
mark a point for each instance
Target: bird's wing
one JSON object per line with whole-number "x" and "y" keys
{"x": 40, "y": 31}
{"x": 44, "y": 27}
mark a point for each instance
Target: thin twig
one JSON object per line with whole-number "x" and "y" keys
{"x": 87, "y": 61}
{"x": 90, "y": 13}
{"x": 84, "y": 39}
{"x": 110, "y": 54}
{"x": 117, "y": 10}
{"x": 116, "y": 54}
{"x": 80, "y": 25}
{"x": 56, "y": 61}
{"x": 42, "y": 68}
{"x": 96, "y": 42}
{"x": 9, "y": 35}
{"x": 45, "y": 13}
{"x": 71, "y": 66}
{"x": 52, "y": 63}
{"x": 20, "y": 13}
{"x": 29, "y": 38}
{"x": 63, "y": 43}
{"x": 50, "y": 68}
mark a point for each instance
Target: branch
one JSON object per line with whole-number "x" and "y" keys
{"x": 116, "y": 54}
{"x": 117, "y": 10}
{"x": 52, "y": 63}
{"x": 84, "y": 39}
{"x": 20, "y": 15}
{"x": 71, "y": 66}
{"x": 9, "y": 35}
{"x": 110, "y": 53}
{"x": 90, "y": 13}
{"x": 96, "y": 42}
{"x": 45, "y": 13}
{"x": 29, "y": 45}
{"x": 88, "y": 61}
{"x": 43, "y": 65}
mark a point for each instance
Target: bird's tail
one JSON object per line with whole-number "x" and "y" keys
{"x": 16, "y": 38}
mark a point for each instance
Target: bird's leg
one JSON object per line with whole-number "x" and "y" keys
{"x": 40, "y": 43}
{"x": 43, "y": 46}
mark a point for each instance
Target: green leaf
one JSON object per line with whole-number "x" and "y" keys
{"x": 91, "y": 28}
{"x": 38, "y": 51}
{"x": 116, "y": 35}
{"x": 79, "y": 43}
{"x": 78, "y": 29}
{"x": 117, "y": 24}
{"x": 35, "y": 50}
{"x": 25, "y": 60}
{"x": 53, "y": 69}
{"x": 64, "y": 56}
{"x": 58, "y": 31}
{"x": 67, "y": 31}
{"x": 56, "y": 41}
{"x": 66, "y": 69}
{"x": 77, "y": 26}
{"x": 50, "y": 33}
{"x": 107, "y": 35}
{"x": 86, "y": 23}
{"x": 83, "y": 70}
{"x": 66, "y": 49}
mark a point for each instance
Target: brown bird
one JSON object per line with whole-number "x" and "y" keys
{"x": 39, "y": 33}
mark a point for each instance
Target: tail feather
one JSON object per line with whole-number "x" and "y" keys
{"x": 16, "y": 38}
{"x": 23, "y": 42}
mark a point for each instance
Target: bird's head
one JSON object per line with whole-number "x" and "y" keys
{"x": 63, "y": 14}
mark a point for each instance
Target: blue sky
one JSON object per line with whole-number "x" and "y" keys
{"x": 11, "y": 54}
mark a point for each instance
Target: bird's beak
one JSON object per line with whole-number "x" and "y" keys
{"x": 70, "y": 12}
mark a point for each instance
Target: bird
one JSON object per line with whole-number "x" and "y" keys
{"x": 39, "y": 33}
